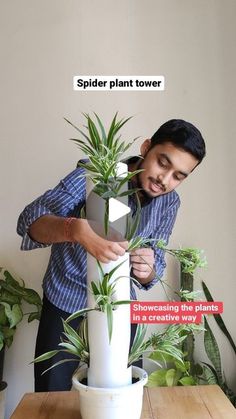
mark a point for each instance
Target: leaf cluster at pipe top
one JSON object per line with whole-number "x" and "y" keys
{"x": 104, "y": 151}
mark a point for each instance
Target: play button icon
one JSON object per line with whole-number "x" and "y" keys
{"x": 117, "y": 209}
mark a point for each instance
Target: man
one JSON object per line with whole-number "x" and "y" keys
{"x": 53, "y": 219}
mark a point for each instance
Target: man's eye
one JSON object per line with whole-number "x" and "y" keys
{"x": 162, "y": 163}
{"x": 178, "y": 177}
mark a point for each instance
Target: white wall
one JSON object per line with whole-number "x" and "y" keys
{"x": 43, "y": 44}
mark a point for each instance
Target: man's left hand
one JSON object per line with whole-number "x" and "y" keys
{"x": 142, "y": 262}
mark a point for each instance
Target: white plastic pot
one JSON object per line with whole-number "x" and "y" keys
{"x": 111, "y": 403}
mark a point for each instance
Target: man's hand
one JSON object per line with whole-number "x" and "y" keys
{"x": 102, "y": 249}
{"x": 142, "y": 261}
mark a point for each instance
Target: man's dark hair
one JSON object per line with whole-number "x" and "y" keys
{"x": 183, "y": 135}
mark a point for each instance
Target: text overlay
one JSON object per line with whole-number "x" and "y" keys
{"x": 172, "y": 312}
{"x": 111, "y": 83}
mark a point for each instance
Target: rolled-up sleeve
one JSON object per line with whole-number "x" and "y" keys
{"x": 57, "y": 201}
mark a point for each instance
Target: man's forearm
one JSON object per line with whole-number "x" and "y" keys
{"x": 49, "y": 229}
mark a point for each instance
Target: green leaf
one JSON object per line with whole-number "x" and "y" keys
{"x": 136, "y": 243}
{"x": 7, "y": 297}
{"x": 172, "y": 377}
{"x": 76, "y": 342}
{"x": 128, "y": 192}
{"x": 128, "y": 177}
{"x": 158, "y": 356}
{"x": 104, "y": 138}
{"x": 121, "y": 302}
{"x": 59, "y": 363}
{"x": 197, "y": 370}
{"x": 34, "y": 316}
{"x": 109, "y": 313}
{"x": 218, "y": 318}
{"x": 79, "y": 130}
{"x": 187, "y": 381}
{"x": 170, "y": 350}
{"x": 157, "y": 378}
{"x": 94, "y": 288}
{"x": 7, "y": 335}
{"x": 110, "y": 170}
{"x": 78, "y": 313}
{"x": 3, "y": 317}
{"x": 139, "y": 345}
{"x": 88, "y": 167}
{"x": 70, "y": 331}
{"x": 70, "y": 348}
{"x": 110, "y": 135}
{"x": 212, "y": 350}
{"x": 209, "y": 374}
{"x": 13, "y": 314}
{"x": 112, "y": 271}
{"x": 45, "y": 356}
{"x": 106, "y": 217}
{"x": 12, "y": 289}
{"x": 133, "y": 222}
{"x": 32, "y": 297}
{"x": 12, "y": 281}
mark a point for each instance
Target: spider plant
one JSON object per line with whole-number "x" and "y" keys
{"x": 105, "y": 151}
{"x": 103, "y": 292}
{"x": 73, "y": 342}
{"x": 190, "y": 258}
{"x": 163, "y": 343}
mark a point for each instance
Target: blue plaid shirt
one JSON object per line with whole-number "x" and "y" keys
{"x": 64, "y": 283}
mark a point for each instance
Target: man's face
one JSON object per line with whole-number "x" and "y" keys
{"x": 165, "y": 167}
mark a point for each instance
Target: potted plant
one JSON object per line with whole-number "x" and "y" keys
{"x": 13, "y": 293}
{"x": 109, "y": 386}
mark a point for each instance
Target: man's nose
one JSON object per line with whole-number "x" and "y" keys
{"x": 165, "y": 179}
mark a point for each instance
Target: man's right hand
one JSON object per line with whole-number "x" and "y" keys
{"x": 102, "y": 249}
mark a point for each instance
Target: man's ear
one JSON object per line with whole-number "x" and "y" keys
{"x": 145, "y": 147}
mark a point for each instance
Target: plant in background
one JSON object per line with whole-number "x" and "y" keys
{"x": 174, "y": 372}
{"x": 213, "y": 373}
{"x": 190, "y": 258}
{"x": 203, "y": 372}
{"x": 13, "y": 293}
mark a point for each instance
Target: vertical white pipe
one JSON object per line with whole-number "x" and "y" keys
{"x": 108, "y": 360}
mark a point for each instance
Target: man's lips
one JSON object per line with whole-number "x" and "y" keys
{"x": 156, "y": 187}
